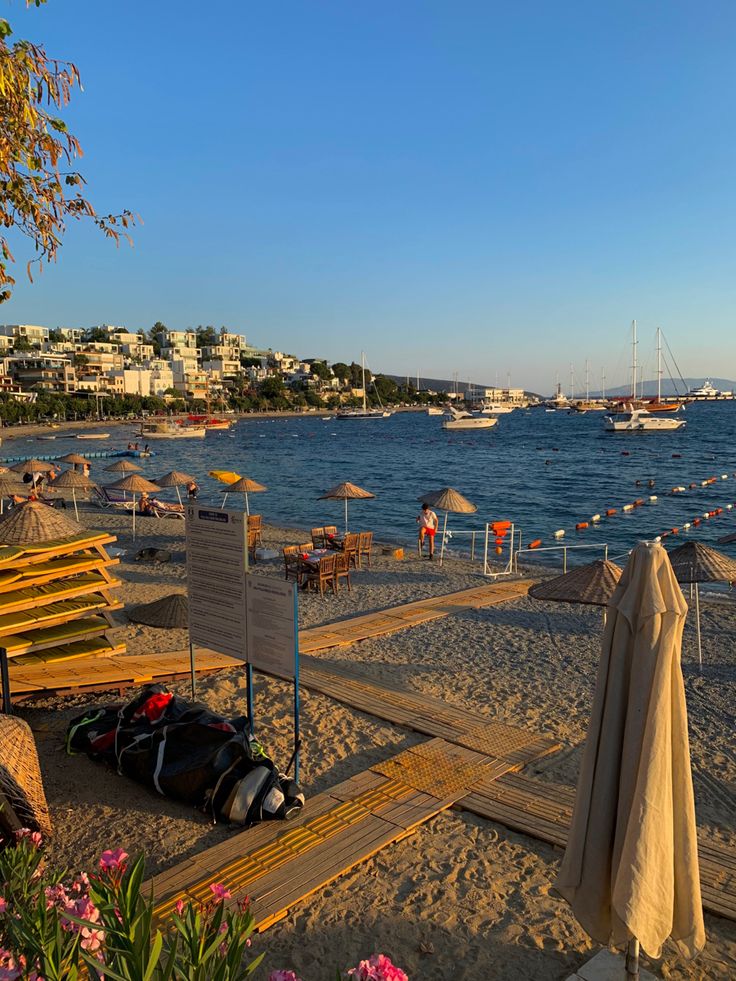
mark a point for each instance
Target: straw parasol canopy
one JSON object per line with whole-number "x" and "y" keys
{"x": 74, "y": 480}
{"x": 245, "y": 486}
{"x": 77, "y": 459}
{"x": 34, "y": 522}
{"x": 592, "y": 584}
{"x": 9, "y": 486}
{"x": 33, "y": 466}
{"x": 695, "y": 562}
{"x": 123, "y": 466}
{"x": 346, "y": 492}
{"x": 167, "y": 613}
{"x": 20, "y": 778}
{"x": 137, "y": 485}
{"x": 177, "y": 479}
{"x": 448, "y": 499}
{"x": 630, "y": 871}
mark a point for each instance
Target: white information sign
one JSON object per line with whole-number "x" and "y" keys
{"x": 272, "y": 630}
{"x": 216, "y": 574}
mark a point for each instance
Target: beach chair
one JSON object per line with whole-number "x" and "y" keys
{"x": 252, "y": 545}
{"x": 350, "y": 548}
{"x": 365, "y": 546}
{"x": 322, "y": 575}
{"x": 105, "y": 499}
{"x": 342, "y": 570}
{"x": 319, "y": 538}
{"x": 255, "y": 524}
{"x": 163, "y": 509}
{"x": 292, "y": 563}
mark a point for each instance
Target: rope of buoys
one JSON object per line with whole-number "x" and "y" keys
{"x": 581, "y": 525}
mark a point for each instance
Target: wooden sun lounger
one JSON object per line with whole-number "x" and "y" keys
{"x": 54, "y": 614}
{"x": 97, "y": 648}
{"x": 31, "y": 597}
{"x": 45, "y": 573}
{"x": 86, "y": 541}
{"x": 37, "y": 640}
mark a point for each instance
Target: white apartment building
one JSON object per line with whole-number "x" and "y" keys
{"x": 134, "y": 381}
{"x": 29, "y": 332}
{"x": 162, "y": 377}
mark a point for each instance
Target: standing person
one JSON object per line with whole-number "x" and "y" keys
{"x": 192, "y": 490}
{"x": 428, "y": 524}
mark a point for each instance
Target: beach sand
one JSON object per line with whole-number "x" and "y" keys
{"x": 462, "y": 898}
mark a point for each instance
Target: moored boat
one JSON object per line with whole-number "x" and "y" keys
{"x": 631, "y": 420}
{"x": 464, "y": 420}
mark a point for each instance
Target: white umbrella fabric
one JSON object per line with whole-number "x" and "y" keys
{"x": 630, "y": 871}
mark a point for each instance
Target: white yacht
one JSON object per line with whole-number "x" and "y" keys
{"x": 489, "y": 408}
{"x": 464, "y": 420}
{"x": 708, "y": 392}
{"x": 631, "y": 420}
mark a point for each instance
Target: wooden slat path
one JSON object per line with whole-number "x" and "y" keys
{"x": 89, "y": 674}
{"x": 544, "y": 811}
{"x": 345, "y": 632}
{"x": 278, "y": 864}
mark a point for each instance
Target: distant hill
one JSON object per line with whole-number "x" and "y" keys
{"x": 442, "y": 384}
{"x": 649, "y": 388}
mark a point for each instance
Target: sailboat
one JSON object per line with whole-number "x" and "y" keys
{"x": 365, "y": 412}
{"x": 659, "y": 404}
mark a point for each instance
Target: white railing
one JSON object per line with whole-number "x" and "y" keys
{"x": 559, "y": 548}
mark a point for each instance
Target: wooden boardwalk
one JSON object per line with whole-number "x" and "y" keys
{"x": 279, "y": 864}
{"x": 544, "y": 810}
{"x": 99, "y": 674}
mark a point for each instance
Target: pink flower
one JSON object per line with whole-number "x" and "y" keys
{"x": 10, "y": 969}
{"x": 113, "y": 859}
{"x": 179, "y": 907}
{"x": 377, "y": 968}
{"x": 219, "y": 891}
{"x": 283, "y": 976}
{"x": 3, "y": 905}
{"x": 92, "y": 939}
{"x": 25, "y": 834}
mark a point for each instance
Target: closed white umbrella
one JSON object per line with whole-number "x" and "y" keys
{"x": 630, "y": 871}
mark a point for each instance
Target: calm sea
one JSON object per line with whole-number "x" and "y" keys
{"x": 544, "y": 471}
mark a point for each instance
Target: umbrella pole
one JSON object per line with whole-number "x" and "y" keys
{"x": 133, "y": 515}
{"x": 74, "y": 498}
{"x": 247, "y": 505}
{"x": 605, "y": 616}
{"x": 224, "y": 501}
{"x": 346, "y": 515}
{"x": 178, "y": 495}
{"x": 442, "y": 546}
{"x": 697, "y": 621}
{"x": 632, "y": 960}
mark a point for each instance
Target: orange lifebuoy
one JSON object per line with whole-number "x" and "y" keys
{"x": 610, "y": 511}
{"x": 696, "y": 521}
{"x": 581, "y": 525}
{"x": 536, "y": 543}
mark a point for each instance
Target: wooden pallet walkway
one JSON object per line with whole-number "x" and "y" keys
{"x": 94, "y": 674}
{"x": 279, "y": 864}
{"x": 544, "y": 810}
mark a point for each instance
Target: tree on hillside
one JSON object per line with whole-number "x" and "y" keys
{"x": 39, "y": 188}
{"x": 207, "y": 336}
{"x": 340, "y": 370}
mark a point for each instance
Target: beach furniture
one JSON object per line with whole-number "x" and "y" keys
{"x": 255, "y": 524}
{"x": 292, "y": 563}
{"x": 74, "y": 480}
{"x": 319, "y": 538}
{"x": 104, "y": 498}
{"x": 244, "y": 486}
{"x": 342, "y": 569}
{"x": 346, "y": 492}
{"x": 321, "y": 575}
{"x": 176, "y": 479}
{"x": 136, "y": 485}
{"x": 167, "y": 613}
{"x": 163, "y": 509}
{"x": 123, "y": 466}
{"x": 22, "y": 798}
{"x": 365, "y": 547}
{"x": 349, "y": 547}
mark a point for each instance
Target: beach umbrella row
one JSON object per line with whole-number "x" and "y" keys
{"x": 136, "y": 485}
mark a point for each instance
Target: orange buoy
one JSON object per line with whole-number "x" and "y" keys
{"x": 581, "y": 525}
{"x": 696, "y": 522}
{"x": 536, "y": 543}
{"x": 499, "y": 550}
{"x": 610, "y": 511}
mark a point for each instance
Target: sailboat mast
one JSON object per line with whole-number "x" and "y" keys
{"x": 587, "y": 382}
{"x": 633, "y": 359}
{"x": 659, "y": 364}
{"x": 572, "y": 381}
{"x": 362, "y": 365}
{"x": 603, "y": 383}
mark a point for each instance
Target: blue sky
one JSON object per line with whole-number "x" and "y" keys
{"x": 477, "y": 187}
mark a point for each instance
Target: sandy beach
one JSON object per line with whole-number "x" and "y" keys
{"x": 462, "y": 898}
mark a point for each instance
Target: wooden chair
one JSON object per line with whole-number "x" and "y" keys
{"x": 365, "y": 545}
{"x": 329, "y": 530}
{"x": 318, "y": 537}
{"x": 255, "y": 523}
{"x": 252, "y": 545}
{"x": 306, "y": 547}
{"x": 322, "y": 575}
{"x": 342, "y": 569}
{"x": 350, "y": 548}
{"x": 292, "y": 563}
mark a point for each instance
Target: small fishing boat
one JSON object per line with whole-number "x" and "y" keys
{"x": 464, "y": 420}
{"x": 93, "y": 435}
{"x": 165, "y": 430}
{"x": 434, "y": 410}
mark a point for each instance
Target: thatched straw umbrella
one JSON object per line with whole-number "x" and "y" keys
{"x": 695, "y": 562}
{"x": 33, "y": 466}
{"x": 75, "y": 458}
{"x": 34, "y": 522}
{"x": 167, "y": 613}
{"x": 448, "y": 499}
{"x": 137, "y": 485}
{"x": 592, "y": 584}
{"x": 346, "y": 492}
{"x": 245, "y": 486}
{"x": 177, "y": 479}
{"x": 123, "y": 466}
{"x": 76, "y": 481}
{"x": 20, "y": 778}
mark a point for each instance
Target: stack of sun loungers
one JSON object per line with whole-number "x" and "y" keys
{"x": 56, "y": 599}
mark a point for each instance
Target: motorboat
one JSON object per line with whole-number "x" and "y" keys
{"x": 165, "y": 430}
{"x": 435, "y": 410}
{"x": 488, "y": 408}
{"x": 464, "y": 420}
{"x": 631, "y": 420}
{"x": 93, "y": 435}
{"x": 707, "y": 392}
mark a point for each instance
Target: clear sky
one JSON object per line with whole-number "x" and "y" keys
{"x": 481, "y": 187}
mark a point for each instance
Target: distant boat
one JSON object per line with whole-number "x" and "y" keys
{"x": 93, "y": 435}
{"x": 365, "y": 412}
{"x": 489, "y": 408}
{"x": 464, "y": 420}
{"x": 165, "y": 430}
{"x": 632, "y": 420}
{"x": 708, "y": 393}
{"x": 434, "y": 410}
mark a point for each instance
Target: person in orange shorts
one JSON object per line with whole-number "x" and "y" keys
{"x": 428, "y": 524}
